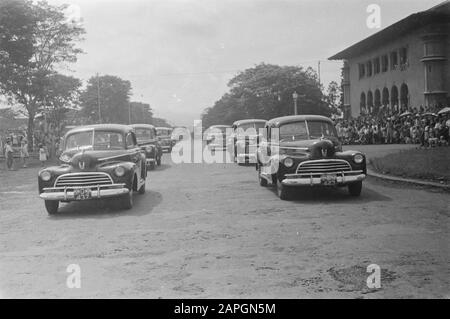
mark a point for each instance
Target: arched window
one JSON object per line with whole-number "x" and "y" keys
{"x": 394, "y": 98}
{"x": 385, "y": 97}
{"x": 362, "y": 103}
{"x": 377, "y": 102}
{"x": 370, "y": 102}
{"x": 404, "y": 96}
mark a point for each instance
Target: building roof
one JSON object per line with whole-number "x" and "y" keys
{"x": 435, "y": 15}
{"x": 295, "y": 118}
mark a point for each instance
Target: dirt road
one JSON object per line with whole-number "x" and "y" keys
{"x": 210, "y": 231}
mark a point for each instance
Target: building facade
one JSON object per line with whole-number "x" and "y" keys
{"x": 404, "y": 65}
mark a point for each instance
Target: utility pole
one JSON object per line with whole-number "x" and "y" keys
{"x": 318, "y": 70}
{"x": 98, "y": 100}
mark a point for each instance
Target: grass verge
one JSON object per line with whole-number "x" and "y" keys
{"x": 429, "y": 164}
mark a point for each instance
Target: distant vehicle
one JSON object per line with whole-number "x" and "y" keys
{"x": 245, "y": 139}
{"x": 98, "y": 161}
{"x": 147, "y": 140}
{"x": 309, "y": 154}
{"x": 216, "y": 137}
{"x": 164, "y": 135}
{"x": 178, "y": 133}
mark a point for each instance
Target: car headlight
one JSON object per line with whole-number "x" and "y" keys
{"x": 119, "y": 171}
{"x": 288, "y": 162}
{"x": 45, "y": 176}
{"x": 358, "y": 158}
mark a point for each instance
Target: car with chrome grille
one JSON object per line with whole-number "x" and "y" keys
{"x": 149, "y": 144}
{"x": 97, "y": 161}
{"x": 164, "y": 135}
{"x": 304, "y": 150}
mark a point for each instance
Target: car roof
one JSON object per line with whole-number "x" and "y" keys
{"x": 240, "y": 122}
{"x": 142, "y": 126}
{"x": 101, "y": 127}
{"x": 294, "y": 118}
{"x": 219, "y": 126}
{"x": 163, "y": 128}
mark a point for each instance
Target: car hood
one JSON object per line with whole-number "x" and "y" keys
{"x": 90, "y": 158}
{"x": 317, "y": 148}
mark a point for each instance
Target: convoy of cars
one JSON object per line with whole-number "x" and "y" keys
{"x": 112, "y": 160}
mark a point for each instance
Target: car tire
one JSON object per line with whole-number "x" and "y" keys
{"x": 158, "y": 160}
{"x": 262, "y": 180}
{"x": 52, "y": 206}
{"x": 283, "y": 191}
{"x": 355, "y": 188}
{"x": 127, "y": 200}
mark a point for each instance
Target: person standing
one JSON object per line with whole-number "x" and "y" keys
{"x": 9, "y": 154}
{"x": 24, "y": 152}
{"x": 42, "y": 154}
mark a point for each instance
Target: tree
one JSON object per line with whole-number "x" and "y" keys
{"x": 265, "y": 91}
{"x": 62, "y": 95}
{"x": 334, "y": 97}
{"x": 112, "y": 94}
{"x": 141, "y": 113}
{"x": 35, "y": 38}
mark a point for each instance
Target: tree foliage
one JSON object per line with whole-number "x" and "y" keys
{"x": 36, "y": 37}
{"x": 112, "y": 94}
{"x": 141, "y": 113}
{"x": 265, "y": 91}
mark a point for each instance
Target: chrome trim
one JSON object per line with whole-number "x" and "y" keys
{"x": 324, "y": 165}
{"x": 104, "y": 177}
{"x": 312, "y": 181}
{"x": 67, "y": 193}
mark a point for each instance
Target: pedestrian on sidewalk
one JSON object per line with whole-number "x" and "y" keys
{"x": 9, "y": 152}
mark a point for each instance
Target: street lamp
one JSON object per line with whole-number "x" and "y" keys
{"x": 295, "y": 97}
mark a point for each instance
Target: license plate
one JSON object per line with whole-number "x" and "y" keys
{"x": 82, "y": 193}
{"x": 328, "y": 179}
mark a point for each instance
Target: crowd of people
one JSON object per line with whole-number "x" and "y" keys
{"x": 423, "y": 126}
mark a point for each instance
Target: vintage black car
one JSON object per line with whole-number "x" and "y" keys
{"x": 244, "y": 140}
{"x": 147, "y": 140}
{"x": 97, "y": 161}
{"x": 304, "y": 150}
{"x": 164, "y": 135}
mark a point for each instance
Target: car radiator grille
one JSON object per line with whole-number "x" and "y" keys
{"x": 323, "y": 167}
{"x": 83, "y": 179}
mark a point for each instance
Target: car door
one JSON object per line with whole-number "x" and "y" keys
{"x": 134, "y": 152}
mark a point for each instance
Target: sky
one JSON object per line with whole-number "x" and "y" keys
{"x": 180, "y": 54}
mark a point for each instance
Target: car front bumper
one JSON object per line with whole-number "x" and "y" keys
{"x": 338, "y": 179}
{"x": 97, "y": 192}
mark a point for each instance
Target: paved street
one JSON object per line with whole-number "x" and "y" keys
{"x": 210, "y": 231}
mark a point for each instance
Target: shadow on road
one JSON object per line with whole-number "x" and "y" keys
{"x": 322, "y": 195}
{"x": 143, "y": 205}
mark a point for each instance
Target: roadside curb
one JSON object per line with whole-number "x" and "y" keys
{"x": 371, "y": 172}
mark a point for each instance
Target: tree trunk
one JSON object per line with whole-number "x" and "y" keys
{"x": 30, "y": 131}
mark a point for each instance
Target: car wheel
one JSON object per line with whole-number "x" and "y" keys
{"x": 142, "y": 189}
{"x": 355, "y": 188}
{"x": 52, "y": 206}
{"x": 283, "y": 191}
{"x": 127, "y": 200}
{"x": 158, "y": 160}
{"x": 262, "y": 180}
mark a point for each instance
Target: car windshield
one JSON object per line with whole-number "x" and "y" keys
{"x": 143, "y": 134}
{"x": 299, "y": 131}
{"x": 318, "y": 129}
{"x": 163, "y": 132}
{"x": 97, "y": 140}
{"x": 293, "y": 131}
{"x": 250, "y": 128}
